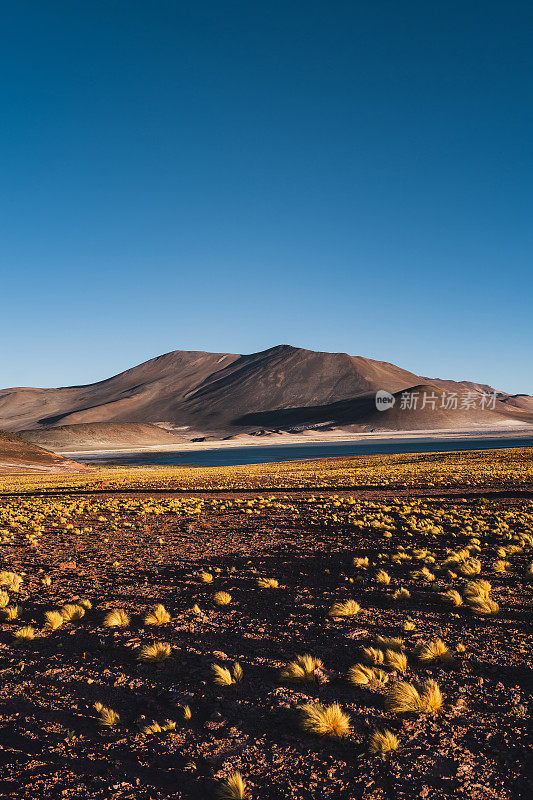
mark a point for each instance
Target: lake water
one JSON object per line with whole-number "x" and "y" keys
{"x": 263, "y": 454}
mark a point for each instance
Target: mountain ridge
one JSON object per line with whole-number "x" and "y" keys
{"x": 215, "y": 393}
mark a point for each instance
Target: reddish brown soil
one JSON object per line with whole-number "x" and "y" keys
{"x": 52, "y": 747}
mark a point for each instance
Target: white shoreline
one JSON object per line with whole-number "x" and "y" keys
{"x": 288, "y": 440}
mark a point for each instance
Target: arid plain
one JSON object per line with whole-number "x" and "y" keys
{"x": 351, "y": 628}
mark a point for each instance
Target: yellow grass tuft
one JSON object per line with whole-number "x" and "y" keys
{"x": 196, "y": 609}
{"x": 86, "y": 604}
{"x": 118, "y": 618}
{"x": 476, "y": 589}
{"x": 483, "y": 606}
{"x": 4, "y": 599}
{"x": 433, "y": 652}
{"x": 382, "y": 743}
{"x": 206, "y": 577}
{"x": 401, "y": 595}
{"x": 409, "y": 625}
{"x": 383, "y": 577}
{"x": 233, "y": 788}
{"x": 154, "y": 727}
{"x": 395, "y": 660}
{"x": 23, "y": 635}
{"x": 302, "y": 669}
{"x": 222, "y": 598}
{"x": 157, "y": 616}
{"x": 267, "y": 583}
{"x": 452, "y": 598}
{"x": 390, "y": 643}
{"x": 361, "y": 675}
{"x": 330, "y": 721}
{"x": 9, "y": 613}
{"x": 107, "y": 717}
{"x": 221, "y": 675}
{"x": 10, "y": 580}
{"x": 347, "y": 609}
{"x": 72, "y": 612}
{"x": 373, "y": 655}
{"x": 472, "y": 566}
{"x": 360, "y": 563}
{"x": 53, "y": 620}
{"x": 404, "y": 698}
{"x": 186, "y": 713}
{"x": 154, "y": 653}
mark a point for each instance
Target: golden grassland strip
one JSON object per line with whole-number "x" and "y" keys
{"x": 474, "y": 470}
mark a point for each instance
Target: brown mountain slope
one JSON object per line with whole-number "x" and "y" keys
{"x": 100, "y": 436}
{"x": 224, "y": 393}
{"x": 19, "y": 455}
{"x": 205, "y": 391}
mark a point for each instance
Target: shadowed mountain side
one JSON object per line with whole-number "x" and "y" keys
{"x": 16, "y": 454}
{"x": 408, "y": 413}
{"x": 100, "y": 436}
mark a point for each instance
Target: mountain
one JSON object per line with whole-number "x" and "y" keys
{"x": 223, "y": 394}
{"x": 88, "y": 436}
{"x": 17, "y": 454}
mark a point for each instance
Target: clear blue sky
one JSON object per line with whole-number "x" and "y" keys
{"x": 345, "y": 176}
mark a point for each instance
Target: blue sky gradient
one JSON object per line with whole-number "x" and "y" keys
{"x": 228, "y": 176}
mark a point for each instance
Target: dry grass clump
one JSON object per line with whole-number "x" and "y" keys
{"x": 23, "y": 635}
{"x": 401, "y": 595}
{"x": 423, "y": 574}
{"x": 483, "y": 606}
{"x": 476, "y": 589}
{"x": 223, "y": 677}
{"x": 233, "y": 788}
{"x": 302, "y": 669}
{"x": 360, "y": 563}
{"x": 500, "y": 565}
{"x": 11, "y": 580}
{"x": 206, "y": 577}
{"x": 372, "y": 655}
{"x": 409, "y": 625}
{"x": 404, "y": 698}
{"x": 395, "y": 660}
{"x": 452, "y": 598}
{"x": 392, "y": 643}
{"x": 157, "y": 616}
{"x": 107, "y": 717}
{"x": 154, "y": 653}
{"x": 9, "y": 613}
{"x": 155, "y": 727}
{"x": 267, "y": 583}
{"x": 71, "y": 612}
{"x": 347, "y": 609}
{"x": 118, "y": 618}
{"x": 382, "y": 743}
{"x": 383, "y": 577}
{"x": 472, "y": 566}
{"x": 433, "y": 652}
{"x": 330, "y": 721}
{"x": 222, "y": 598}
{"x": 361, "y": 675}
{"x": 53, "y": 620}
{"x": 477, "y": 596}
{"x": 186, "y": 713}
{"x": 4, "y": 599}
{"x": 86, "y": 604}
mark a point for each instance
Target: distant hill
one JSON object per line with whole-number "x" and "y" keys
{"x": 100, "y": 436}
{"x": 224, "y": 394}
{"x": 17, "y": 454}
